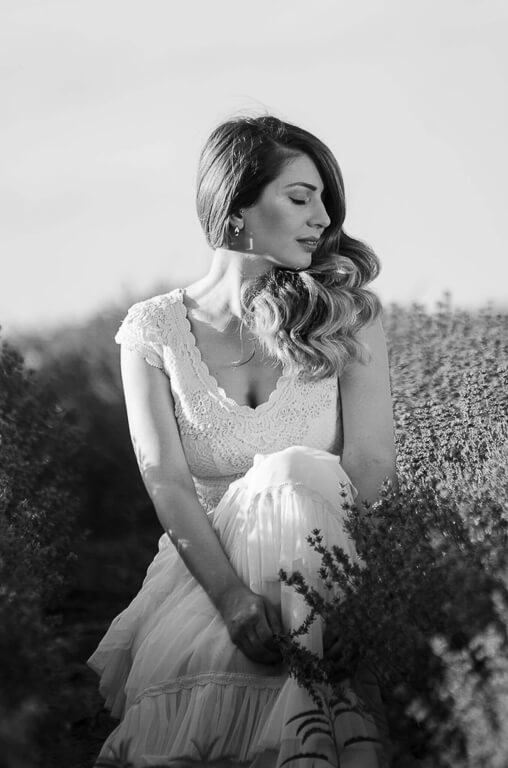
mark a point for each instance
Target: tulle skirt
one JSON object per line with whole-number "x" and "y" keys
{"x": 185, "y": 695}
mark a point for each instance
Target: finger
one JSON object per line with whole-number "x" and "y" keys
{"x": 263, "y": 638}
{"x": 266, "y": 638}
{"x": 250, "y": 647}
{"x": 273, "y": 618}
{"x": 269, "y": 648}
{"x": 260, "y": 642}
{"x": 253, "y": 642}
{"x": 255, "y": 651}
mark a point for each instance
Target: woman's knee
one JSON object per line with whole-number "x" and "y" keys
{"x": 316, "y": 469}
{"x": 287, "y": 463}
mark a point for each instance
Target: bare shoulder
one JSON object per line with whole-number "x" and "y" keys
{"x": 195, "y": 292}
{"x": 373, "y": 336}
{"x": 152, "y": 424}
{"x": 366, "y": 396}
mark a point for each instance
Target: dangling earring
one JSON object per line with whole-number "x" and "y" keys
{"x": 236, "y": 231}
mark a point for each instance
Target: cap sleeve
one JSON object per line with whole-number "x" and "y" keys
{"x": 139, "y": 332}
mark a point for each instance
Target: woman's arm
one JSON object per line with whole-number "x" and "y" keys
{"x": 369, "y": 449}
{"x": 165, "y": 472}
{"x": 367, "y": 417}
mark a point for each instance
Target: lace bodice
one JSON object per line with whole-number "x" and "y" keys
{"x": 220, "y": 437}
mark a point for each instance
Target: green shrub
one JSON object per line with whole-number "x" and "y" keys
{"x": 39, "y": 497}
{"x": 82, "y": 366}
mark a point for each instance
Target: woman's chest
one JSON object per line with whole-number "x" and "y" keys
{"x": 249, "y": 384}
{"x": 221, "y": 437}
{"x": 238, "y": 365}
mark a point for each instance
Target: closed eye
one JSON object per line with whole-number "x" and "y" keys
{"x": 298, "y": 202}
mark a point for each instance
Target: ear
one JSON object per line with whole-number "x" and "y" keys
{"x": 237, "y": 220}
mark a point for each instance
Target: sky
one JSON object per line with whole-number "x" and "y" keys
{"x": 105, "y": 105}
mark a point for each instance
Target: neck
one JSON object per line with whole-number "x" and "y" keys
{"x": 217, "y": 294}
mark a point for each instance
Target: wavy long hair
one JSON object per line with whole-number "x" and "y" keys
{"x": 307, "y": 319}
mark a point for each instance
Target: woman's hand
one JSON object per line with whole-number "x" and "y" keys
{"x": 252, "y": 621}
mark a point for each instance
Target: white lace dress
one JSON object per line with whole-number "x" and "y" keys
{"x": 266, "y": 477}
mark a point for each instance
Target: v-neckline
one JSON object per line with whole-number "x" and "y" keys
{"x": 212, "y": 381}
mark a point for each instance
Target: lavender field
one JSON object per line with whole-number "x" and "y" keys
{"x": 77, "y": 532}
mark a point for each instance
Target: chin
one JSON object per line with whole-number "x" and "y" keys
{"x": 294, "y": 266}
{"x": 302, "y": 263}
{"x": 292, "y": 260}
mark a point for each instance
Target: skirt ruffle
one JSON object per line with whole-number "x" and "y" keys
{"x": 169, "y": 670}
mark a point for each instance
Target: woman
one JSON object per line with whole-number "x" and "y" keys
{"x": 246, "y": 443}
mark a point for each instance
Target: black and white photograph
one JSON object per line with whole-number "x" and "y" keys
{"x": 253, "y": 384}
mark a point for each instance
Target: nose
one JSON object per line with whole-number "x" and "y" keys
{"x": 320, "y": 216}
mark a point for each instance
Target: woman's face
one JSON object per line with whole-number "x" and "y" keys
{"x": 289, "y": 212}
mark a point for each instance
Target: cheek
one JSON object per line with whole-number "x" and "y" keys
{"x": 276, "y": 217}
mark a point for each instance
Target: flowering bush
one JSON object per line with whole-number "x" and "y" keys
{"x": 428, "y": 611}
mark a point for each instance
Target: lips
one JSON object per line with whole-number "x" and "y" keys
{"x": 308, "y": 245}
{"x": 308, "y": 240}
